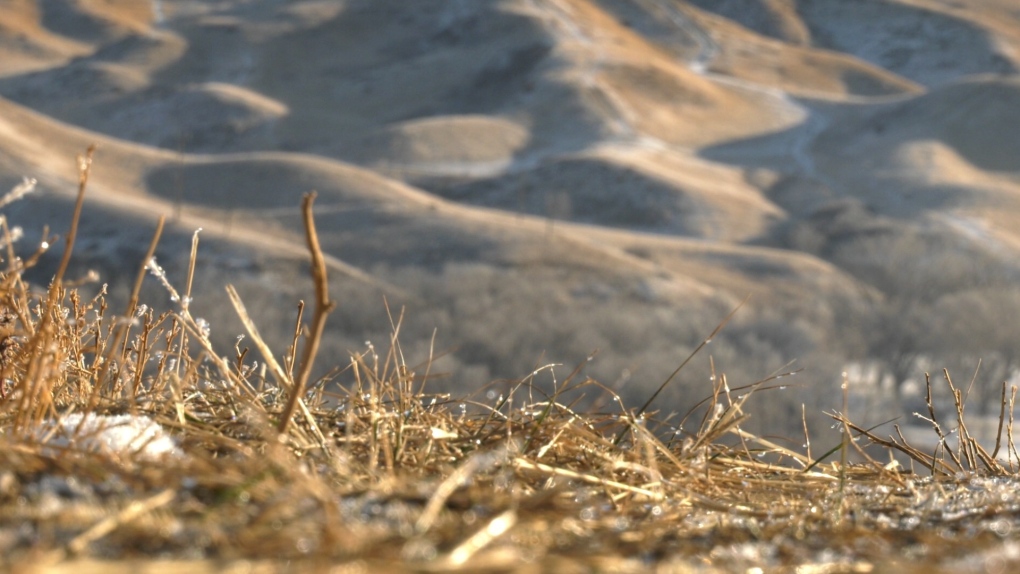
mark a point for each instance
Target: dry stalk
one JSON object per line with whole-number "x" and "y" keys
{"x": 935, "y": 424}
{"x": 1009, "y": 430}
{"x": 590, "y": 478}
{"x": 111, "y": 523}
{"x": 84, "y": 167}
{"x": 323, "y": 307}
{"x": 37, "y": 386}
{"x": 1002, "y": 417}
{"x": 485, "y": 536}
{"x": 673, "y": 375}
{"x": 253, "y": 331}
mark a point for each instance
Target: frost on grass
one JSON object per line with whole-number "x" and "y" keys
{"x": 160, "y": 274}
{"x": 19, "y": 191}
{"x": 129, "y": 436}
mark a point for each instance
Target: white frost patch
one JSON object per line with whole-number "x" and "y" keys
{"x": 121, "y": 435}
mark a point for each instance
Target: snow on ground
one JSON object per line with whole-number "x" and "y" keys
{"x": 134, "y": 436}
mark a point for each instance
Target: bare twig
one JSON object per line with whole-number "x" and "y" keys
{"x": 323, "y": 307}
{"x": 84, "y": 167}
{"x": 1002, "y": 419}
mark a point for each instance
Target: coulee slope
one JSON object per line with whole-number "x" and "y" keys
{"x": 542, "y": 176}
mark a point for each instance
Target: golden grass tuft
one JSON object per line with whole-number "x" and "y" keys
{"x": 377, "y": 474}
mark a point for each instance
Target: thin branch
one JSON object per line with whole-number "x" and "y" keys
{"x": 84, "y": 167}
{"x": 323, "y": 307}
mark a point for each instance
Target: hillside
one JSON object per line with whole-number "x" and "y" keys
{"x": 538, "y": 179}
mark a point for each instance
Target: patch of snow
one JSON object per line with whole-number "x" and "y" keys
{"x": 133, "y": 436}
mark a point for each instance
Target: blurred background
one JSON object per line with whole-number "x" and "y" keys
{"x": 529, "y": 181}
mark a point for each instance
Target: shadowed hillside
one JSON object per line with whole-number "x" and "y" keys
{"x": 533, "y": 180}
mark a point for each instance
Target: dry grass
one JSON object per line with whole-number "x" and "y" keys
{"x": 377, "y": 474}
